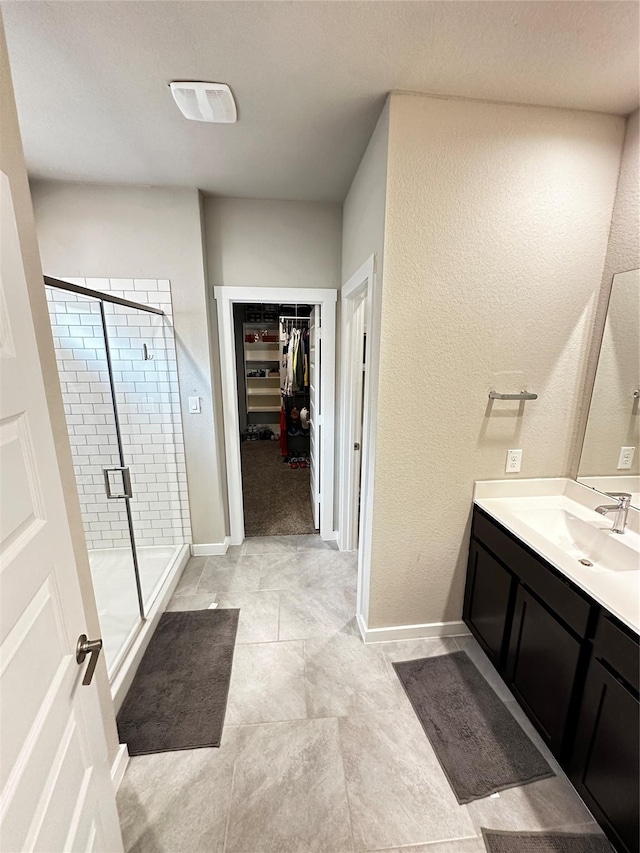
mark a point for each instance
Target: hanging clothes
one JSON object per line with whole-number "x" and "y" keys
{"x": 305, "y": 343}
{"x": 298, "y": 362}
{"x": 287, "y": 343}
{"x": 291, "y": 361}
{"x": 294, "y": 360}
{"x": 284, "y": 343}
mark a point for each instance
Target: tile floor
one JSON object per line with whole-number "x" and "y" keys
{"x": 321, "y": 750}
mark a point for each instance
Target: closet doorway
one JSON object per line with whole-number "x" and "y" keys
{"x": 277, "y": 351}
{"x": 276, "y": 369}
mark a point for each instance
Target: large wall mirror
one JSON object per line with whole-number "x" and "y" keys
{"x": 610, "y": 459}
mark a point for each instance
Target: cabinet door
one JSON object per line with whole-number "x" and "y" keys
{"x": 541, "y": 667}
{"x": 486, "y": 605}
{"x": 605, "y": 764}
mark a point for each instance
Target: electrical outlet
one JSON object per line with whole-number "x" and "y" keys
{"x": 514, "y": 461}
{"x": 626, "y": 457}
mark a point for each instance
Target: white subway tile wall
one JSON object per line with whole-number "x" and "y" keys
{"x": 148, "y": 404}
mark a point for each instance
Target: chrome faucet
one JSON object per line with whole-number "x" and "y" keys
{"x": 621, "y": 510}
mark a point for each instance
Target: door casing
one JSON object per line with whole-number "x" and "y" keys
{"x": 315, "y": 347}
{"x": 359, "y": 311}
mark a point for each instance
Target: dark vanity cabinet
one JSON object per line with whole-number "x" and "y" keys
{"x": 488, "y": 593}
{"x": 604, "y": 765}
{"x": 542, "y": 667}
{"x": 572, "y": 667}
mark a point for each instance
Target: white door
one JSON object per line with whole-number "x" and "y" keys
{"x": 56, "y": 793}
{"x": 315, "y": 413}
{"x": 360, "y": 392}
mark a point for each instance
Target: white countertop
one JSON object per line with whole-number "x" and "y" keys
{"x": 555, "y": 517}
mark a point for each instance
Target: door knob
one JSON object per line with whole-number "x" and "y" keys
{"x": 88, "y": 647}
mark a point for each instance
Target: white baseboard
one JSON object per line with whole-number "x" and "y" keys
{"x": 410, "y": 632}
{"x": 119, "y": 766}
{"x": 212, "y": 549}
{"x": 362, "y": 625}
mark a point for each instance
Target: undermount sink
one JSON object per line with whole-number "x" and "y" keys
{"x": 585, "y": 536}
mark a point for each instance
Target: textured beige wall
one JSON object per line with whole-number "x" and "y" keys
{"x": 623, "y": 250}
{"x": 614, "y": 416}
{"x": 268, "y": 243}
{"x": 623, "y": 253}
{"x": 264, "y": 243}
{"x": 94, "y": 231}
{"x": 363, "y": 212}
{"x": 363, "y": 221}
{"x": 496, "y": 231}
{"x": 13, "y": 165}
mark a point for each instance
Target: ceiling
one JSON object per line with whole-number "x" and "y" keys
{"x": 310, "y": 79}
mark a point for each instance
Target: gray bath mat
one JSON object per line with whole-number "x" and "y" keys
{"x": 497, "y": 841}
{"x": 178, "y": 697}
{"x": 479, "y": 744}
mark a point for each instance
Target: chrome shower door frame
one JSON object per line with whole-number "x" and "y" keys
{"x": 127, "y": 495}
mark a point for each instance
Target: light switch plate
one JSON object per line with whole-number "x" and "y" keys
{"x": 194, "y": 405}
{"x": 626, "y": 457}
{"x": 514, "y": 461}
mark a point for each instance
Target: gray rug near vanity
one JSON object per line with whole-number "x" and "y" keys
{"x": 479, "y": 744}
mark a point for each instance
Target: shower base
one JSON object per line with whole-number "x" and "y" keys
{"x": 115, "y": 590}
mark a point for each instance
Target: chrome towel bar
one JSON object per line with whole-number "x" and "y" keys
{"x": 523, "y": 395}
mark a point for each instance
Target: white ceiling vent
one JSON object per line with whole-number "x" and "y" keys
{"x": 205, "y": 101}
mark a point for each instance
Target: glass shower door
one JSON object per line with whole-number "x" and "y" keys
{"x": 142, "y": 351}
{"x": 81, "y": 353}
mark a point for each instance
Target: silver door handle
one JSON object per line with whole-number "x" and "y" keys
{"x": 88, "y": 647}
{"x": 109, "y": 485}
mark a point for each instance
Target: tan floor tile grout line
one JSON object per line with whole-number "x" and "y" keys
{"x": 438, "y": 842}
{"x": 279, "y": 607}
{"x": 346, "y": 787}
{"x": 308, "y": 719}
{"x": 304, "y": 675}
{"x": 226, "y": 829}
{"x": 268, "y": 589}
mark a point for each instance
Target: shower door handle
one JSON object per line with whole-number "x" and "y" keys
{"x": 115, "y": 489}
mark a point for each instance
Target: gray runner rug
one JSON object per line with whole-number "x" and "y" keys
{"x": 479, "y": 744}
{"x": 497, "y": 841}
{"x": 178, "y": 697}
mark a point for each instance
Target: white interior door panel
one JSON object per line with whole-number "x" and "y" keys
{"x": 315, "y": 414}
{"x": 56, "y": 791}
